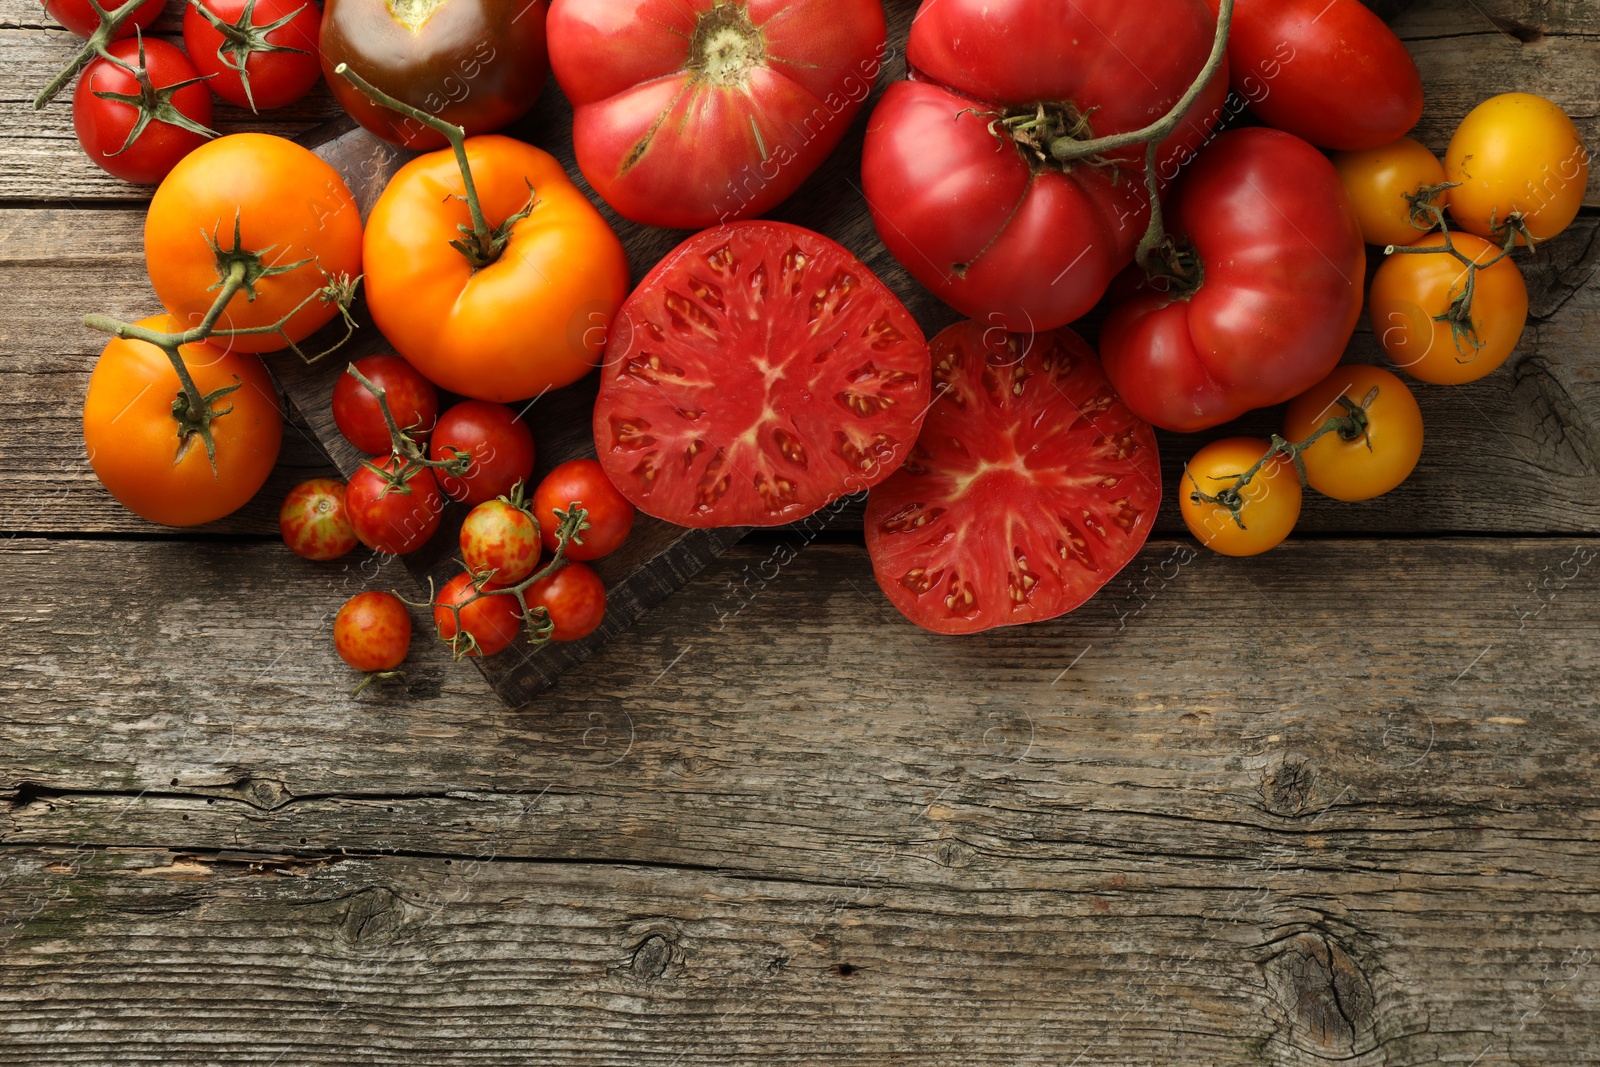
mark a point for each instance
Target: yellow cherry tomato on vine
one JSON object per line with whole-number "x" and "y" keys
{"x": 1378, "y": 181}
{"x": 1269, "y": 502}
{"x": 1363, "y": 465}
{"x": 1411, "y": 291}
{"x": 1516, "y": 152}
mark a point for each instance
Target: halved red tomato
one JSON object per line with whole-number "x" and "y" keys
{"x": 1031, "y": 486}
{"x": 760, "y": 372}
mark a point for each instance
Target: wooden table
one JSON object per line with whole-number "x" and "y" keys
{"x": 1334, "y": 804}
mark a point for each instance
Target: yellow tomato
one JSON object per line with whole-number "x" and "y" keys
{"x": 1516, "y": 153}
{"x": 1269, "y": 503}
{"x": 1364, "y": 465}
{"x": 1378, "y": 181}
{"x": 1410, "y": 292}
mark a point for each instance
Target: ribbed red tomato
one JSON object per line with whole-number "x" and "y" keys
{"x": 759, "y": 373}
{"x": 1030, "y": 487}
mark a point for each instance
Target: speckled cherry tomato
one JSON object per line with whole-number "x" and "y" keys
{"x": 391, "y": 520}
{"x": 500, "y": 444}
{"x": 372, "y": 632}
{"x": 412, "y": 399}
{"x": 491, "y": 622}
{"x": 500, "y": 537}
{"x": 315, "y": 521}
{"x": 574, "y": 596}
{"x": 584, "y": 481}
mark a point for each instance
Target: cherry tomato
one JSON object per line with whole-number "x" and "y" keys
{"x": 133, "y": 442}
{"x": 532, "y": 320}
{"x": 500, "y": 540}
{"x": 1409, "y": 292}
{"x": 1377, "y": 180}
{"x": 389, "y": 520}
{"x": 585, "y": 481}
{"x": 500, "y": 444}
{"x": 1516, "y": 153}
{"x": 315, "y": 521}
{"x": 372, "y": 632}
{"x": 289, "y": 205}
{"x": 412, "y": 399}
{"x": 574, "y": 596}
{"x": 1271, "y": 500}
{"x": 80, "y": 17}
{"x": 487, "y": 623}
{"x": 1361, "y": 467}
{"x": 141, "y": 143}
{"x": 259, "y": 54}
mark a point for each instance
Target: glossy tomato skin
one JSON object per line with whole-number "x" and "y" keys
{"x": 1328, "y": 71}
{"x": 80, "y": 17}
{"x": 688, "y": 114}
{"x": 984, "y": 222}
{"x": 500, "y": 540}
{"x": 1362, "y": 467}
{"x": 1283, "y": 263}
{"x": 1516, "y": 152}
{"x": 610, "y": 513}
{"x": 412, "y": 399}
{"x": 493, "y": 621}
{"x": 315, "y": 520}
{"x": 575, "y": 598}
{"x": 1271, "y": 499}
{"x": 536, "y": 319}
{"x": 372, "y": 631}
{"x": 759, "y": 373}
{"x": 500, "y": 444}
{"x": 132, "y": 439}
{"x": 389, "y": 520}
{"x": 276, "y": 79}
{"x": 1377, "y": 180}
{"x": 1030, "y": 486}
{"x": 478, "y": 64}
{"x": 103, "y": 125}
{"x": 286, "y": 199}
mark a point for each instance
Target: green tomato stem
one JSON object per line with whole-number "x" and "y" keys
{"x": 110, "y": 23}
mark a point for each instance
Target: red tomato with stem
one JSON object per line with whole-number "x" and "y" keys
{"x": 585, "y": 481}
{"x": 957, "y": 167}
{"x": 476, "y": 620}
{"x": 500, "y": 444}
{"x": 389, "y": 519}
{"x": 372, "y": 632}
{"x": 575, "y": 598}
{"x": 1271, "y": 300}
{"x": 81, "y": 18}
{"x": 1030, "y": 487}
{"x": 688, "y": 114}
{"x": 759, "y": 373}
{"x": 259, "y": 54}
{"x": 412, "y": 399}
{"x": 500, "y": 540}
{"x": 140, "y": 111}
{"x": 315, "y": 520}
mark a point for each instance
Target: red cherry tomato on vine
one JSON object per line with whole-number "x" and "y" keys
{"x": 497, "y": 537}
{"x": 315, "y": 520}
{"x": 412, "y": 399}
{"x": 390, "y": 520}
{"x": 500, "y": 444}
{"x": 585, "y": 481}
{"x": 266, "y": 58}
{"x": 372, "y": 632}
{"x": 141, "y": 143}
{"x": 491, "y": 621}
{"x": 574, "y": 596}
{"x": 80, "y": 17}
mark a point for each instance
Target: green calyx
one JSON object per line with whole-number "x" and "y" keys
{"x": 244, "y": 38}
{"x": 153, "y": 105}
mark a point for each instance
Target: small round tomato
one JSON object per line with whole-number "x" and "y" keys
{"x": 393, "y": 520}
{"x": 1270, "y": 502}
{"x": 1365, "y": 465}
{"x": 285, "y": 203}
{"x": 1516, "y": 153}
{"x": 372, "y": 631}
{"x": 574, "y": 596}
{"x": 142, "y": 142}
{"x": 1378, "y": 181}
{"x": 610, "y": 514}
{"x": 1411, "y": 291}
{"x": 476, "y": 621}
{"x": 412, "y": 399}
{"x": 500, "y": 540}
{"x": 133, "y": 441}
{"x": 260, "y": 55}
{"x": 500, "y": 444}
{"x": 81, "y": 18}
{"x": 315, "y": 521}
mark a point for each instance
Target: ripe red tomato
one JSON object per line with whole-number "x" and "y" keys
{"x": 372, "y": 632}
{"x": 690, "y": 114}
{"x": 500, "y": 444}
{"x": 971, "y": 203}
{"x": 476, "y": 622}
{"x": 1328, "y": 71}
{"x": 141, "y": 142}
{"x": 412, "y": 399}
{"x": 265, "y": 58}
{"x": 759, "y": 372}
{"x": 389, "y": 520}
{"x": 1030, "y": 487}
{"x": 574, "y": 596}
{"x": 1279, "y": 292}
{"x": 585, "y": 481}
{"x": 500, "y": 540}
{"x": 315, "y": 520}
{"x": 80, "y": 17}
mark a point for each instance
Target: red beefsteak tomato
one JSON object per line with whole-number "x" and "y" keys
{"x": 1272, "y": 295}
{"x": 691, "y": 112}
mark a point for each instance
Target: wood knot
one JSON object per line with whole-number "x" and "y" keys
{"x": 264, "y": 793}
{"x": 955, "y": 854}
{"x": 1286, "y": 789}
{"x": 373, "y": 916}
{"x": 652, "y": 957}
{"x": 1326, "y": 1001}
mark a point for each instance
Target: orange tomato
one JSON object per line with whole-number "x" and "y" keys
{"x": 291, "y": 206}
{"x": 1516, "y": 152}
{"x": 1270, "y": 501}
{"x": 132, "y": 439}
{"x": 534, "y": 319}
{"x": 1378, "y": 181}
{"x": 1358, "y": 468}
